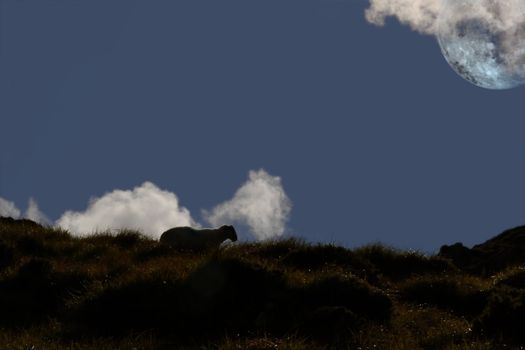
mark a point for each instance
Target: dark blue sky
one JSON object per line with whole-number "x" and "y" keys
{"x": 374, "y": 136}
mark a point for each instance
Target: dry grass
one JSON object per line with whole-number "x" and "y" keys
{"x": 126, "y": 292}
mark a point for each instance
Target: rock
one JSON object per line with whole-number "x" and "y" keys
{"x": 504, "y": 250}
{"x": 460, "y": 255}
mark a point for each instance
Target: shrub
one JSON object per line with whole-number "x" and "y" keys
{"x": 221, "y": 295}
{"x": 329, "y": 310}
{"x": 33, "y": 246}
{"x": 515, "y": 277}
{"x": 319, "y": 256}
{"x": 351, "y": 293}
{"x": 398, "y": 265}
{"x": 447, "y": 293}
{"x": 152, "y": 252}
{"x": 330, "y": 325}
{"x": 503, "y": 317}
{"x": 129, "y": 239}
{"x": 230, "y": 296}
{"x": 28, "y": 238}
{"x": 233, "y": 293}
{"x": 136, "y": 306}
{"x": 35, "y": 293}
{"x": 6, "y": 255}
{"x": 274, "y": 249}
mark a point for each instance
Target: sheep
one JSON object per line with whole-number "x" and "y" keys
{"x": 194, "y": 239}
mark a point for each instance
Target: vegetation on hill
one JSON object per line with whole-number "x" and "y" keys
{"x": 126, "y": 291}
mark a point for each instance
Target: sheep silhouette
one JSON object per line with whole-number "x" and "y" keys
{"x": 193, "y": 239}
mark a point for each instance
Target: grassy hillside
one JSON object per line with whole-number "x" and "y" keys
{"x": 127, "y": 292}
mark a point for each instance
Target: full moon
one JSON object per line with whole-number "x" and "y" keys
{"x": 487, "y": 48}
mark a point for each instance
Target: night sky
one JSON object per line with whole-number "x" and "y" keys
{"x": 373, "y": 136}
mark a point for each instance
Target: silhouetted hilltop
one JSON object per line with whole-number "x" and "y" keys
{"x": 504, "y": 250}
{"x": 127, "y": 291}
{"x": 18, "y": 222}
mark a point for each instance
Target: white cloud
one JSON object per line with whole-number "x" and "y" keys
{"x": 444, "y": 18}
{"x": 146, "y": 208}
{"x": 34, "y": 213}
{"x": 425, "y": 15}
{"x": 260, "y": 203}
{"x": 420, "y": 15}
{"x": 8, "y": 209}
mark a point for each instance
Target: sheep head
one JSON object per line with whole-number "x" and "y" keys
{"x": 230, "y": 232}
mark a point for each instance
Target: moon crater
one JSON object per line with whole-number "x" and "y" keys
{"x": 482, "y": 53}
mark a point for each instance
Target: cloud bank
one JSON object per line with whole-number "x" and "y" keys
{"x": 433, "y": 16}
{"x": 260, "y": 203}
{"x": 145, "y": 208}
{"x": 499, "y": 24}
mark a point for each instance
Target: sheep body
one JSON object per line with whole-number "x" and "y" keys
{"x": 189, "y": 238}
